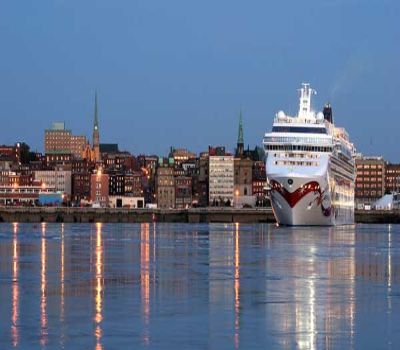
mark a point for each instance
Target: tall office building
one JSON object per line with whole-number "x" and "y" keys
{"x": 59, "y": 140}
{"x": 221, "y": 178}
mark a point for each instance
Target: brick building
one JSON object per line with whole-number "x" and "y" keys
{"x": 243, "y": 175}
{"x": 165, "y": 187}
{"x": 392, "y": 178}
{"x": 81, "y": 186}
{"x": 133, "y": 184}
{"x": 259, "y": 181}
{"x": 183, "y": 192}
{"x": 370, "y": 180}
{"x": 99, "y": 190}
{"x": 116, "y": 184}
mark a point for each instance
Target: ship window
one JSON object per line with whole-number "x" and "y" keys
{"x": 299, "y": 129}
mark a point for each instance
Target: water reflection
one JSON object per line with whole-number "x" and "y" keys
{"x": 210, "y": 286}
{"x": 224, "y": 279}
{"x": 62, "y": 285}
{"x": 98, "y": 286}
{"x": 43, "y": 289}
{"x": 145, "y": 279}
{"x": 237, "y": 285}
{"x": 311, "y": 293}
{"x": 389, "y": 268}
{"x": 15, "y": 288}
{"x": 62, "y": 276}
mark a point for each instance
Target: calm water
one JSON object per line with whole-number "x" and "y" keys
{"x": 178, "y": 286}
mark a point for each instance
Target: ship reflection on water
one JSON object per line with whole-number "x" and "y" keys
{"x": 237, "y": 286}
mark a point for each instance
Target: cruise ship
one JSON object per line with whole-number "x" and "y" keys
{"x": 310, "y": 167}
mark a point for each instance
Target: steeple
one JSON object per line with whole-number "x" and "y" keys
{"x": 96, "y": 120}
{"x": 240, "y": 133}
{"x": 240, "y": 139}
{"x": 96, "y": 133}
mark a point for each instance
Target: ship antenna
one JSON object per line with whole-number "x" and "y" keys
{"x": 305, "y": 100}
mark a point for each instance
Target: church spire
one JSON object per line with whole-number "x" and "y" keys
{"x": 240, "y": 133}
{"x": 96, "y": 133}
{"x": 240, "y": 139}
{"x": 96, "y": 120}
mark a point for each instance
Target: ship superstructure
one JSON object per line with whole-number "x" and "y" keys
{"x": 310, "y": 167}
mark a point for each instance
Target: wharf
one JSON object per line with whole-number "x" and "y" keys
{"x": 192, "y": 215}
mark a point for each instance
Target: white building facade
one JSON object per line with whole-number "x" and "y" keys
{"x": 221, "y": 180}
{"x": 59, "y": 180}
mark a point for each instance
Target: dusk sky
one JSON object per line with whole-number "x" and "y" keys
{"x": 177, "y": 73}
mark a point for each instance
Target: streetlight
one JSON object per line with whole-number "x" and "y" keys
{"x": 236, "y": 196}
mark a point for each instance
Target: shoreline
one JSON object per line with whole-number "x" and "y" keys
{"x": 192, "y": 215}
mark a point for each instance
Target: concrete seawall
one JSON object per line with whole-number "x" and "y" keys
{"x": 193, "y": 215}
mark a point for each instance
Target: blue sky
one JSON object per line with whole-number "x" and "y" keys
{"x": 178, "y": 72}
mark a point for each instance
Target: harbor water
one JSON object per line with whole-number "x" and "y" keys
{"x": 204, "y": 286}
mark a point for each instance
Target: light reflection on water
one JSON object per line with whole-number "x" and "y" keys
{"x": 43, "y": 287}
{"x": 15, "y": 288}
{"x": 199, "y": 286}
{"x": 145, "y": 279}
{"x": 98, "y": 287}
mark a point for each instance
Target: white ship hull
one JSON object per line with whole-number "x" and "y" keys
{"x": 309, "y": 201}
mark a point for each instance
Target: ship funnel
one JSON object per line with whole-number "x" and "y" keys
{"x": 328, "y": 113}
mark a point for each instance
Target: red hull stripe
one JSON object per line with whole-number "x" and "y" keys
{"x": 292, "y": 198}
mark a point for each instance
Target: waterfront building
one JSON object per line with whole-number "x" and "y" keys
{"x": 116, "y": 185}
{"x": 81, "y": 186}
{"x": 165, "y": 187}
{"x": 23, "y": 195}
{"x": 125, "y": 202}
{"x": 58, "y": 179}
{"x": 392, "y": 178}
{"x": 133, "y": 184}
{"x": 99, "y": 190}
{"x": 201, "y": 183}
{"x": 259, "y": 181}
{"x": 221, "y": 177}
{"x": 370, "y": 180}
{"x": 243, "y": 174}
{"x": 183, "y": 192}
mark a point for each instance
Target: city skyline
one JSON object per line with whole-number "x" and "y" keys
{"x": 164, "y": 78}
